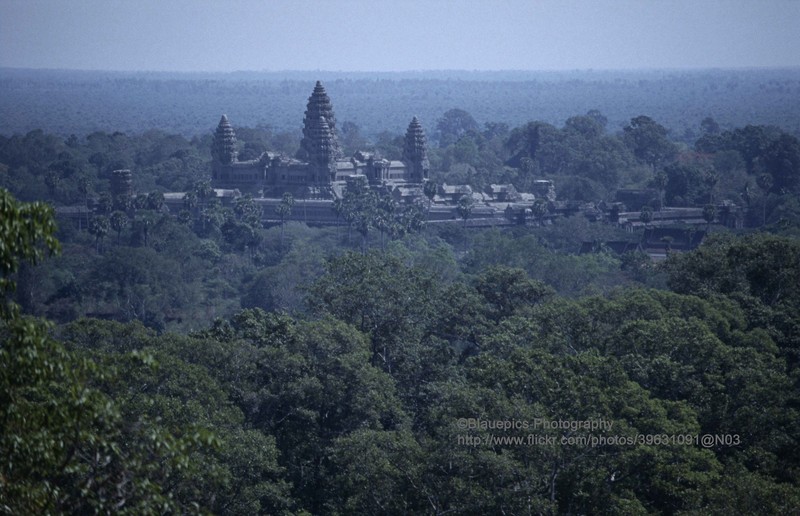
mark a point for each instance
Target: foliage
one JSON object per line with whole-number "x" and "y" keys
{"x": 65, "y": 443}
{"x": 648, "y": 141}
{"x": 27, "y": 230}
{"x": 339, "y": 388}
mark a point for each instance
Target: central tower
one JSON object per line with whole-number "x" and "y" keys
{"x": 320, "y": 145}
{"x": 415, "y": 152}
{"x": 224, "y": 148}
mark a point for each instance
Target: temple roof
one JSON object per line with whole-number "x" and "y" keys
{"x": 415, "y": 146}
{"x": 224, "y": 148}
{"x": 319, "y": 126}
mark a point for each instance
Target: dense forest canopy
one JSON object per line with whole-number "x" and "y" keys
{"x": 356, "y": 407}
{"x": 200, "y": 361}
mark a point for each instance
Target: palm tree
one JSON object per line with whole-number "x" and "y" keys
{"x": 709, "y": 214}
{"x": 711, "y": 178}
{"x": 145, "y": 223}
{"x": 84, "y": 187}
{"x": 118, "y": 222}
{"x": 190, "y": 200}
{"x": 155, "y": 201}
{"x": 122, "y": 203}
{"x": 464, "y": 208}
{"x": 667, "y": 243}
{"x": 429, "y": 189}
{"x": 646, "y": 215}
{"x": 539, "y": 209}
{"x": 212, "y": 215}
{"x": 384, "y": 215}
{"x": 98, "y": 227}
{"x": 203, "y": 191}
{"x": 350, "y": 216}
{"x": 105, "y": 203}
{"x": 283, "y": 210}
{"x": 246, "y": 210}
{"x": 412, "y": 219}
{"x": 661, "y": 179}
{"x": 338, "y": 208}
{"x": 184, "y": 217}
{"x": 765, "y": 182}
{"x": 363, "y": 224}
{"x": 288, "y": 199}
{"x": 140, "y": 202}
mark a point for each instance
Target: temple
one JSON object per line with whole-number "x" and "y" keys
{"x": 320, "y": 170}
{"x": 319, "y": 175}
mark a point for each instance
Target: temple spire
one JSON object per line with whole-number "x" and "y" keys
{"x": 224, "y": 148}
{"x": 415, "y": 151}
{"x": 319, "y": 106}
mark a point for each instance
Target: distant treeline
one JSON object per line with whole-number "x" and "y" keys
{"x": 80, "y": 102}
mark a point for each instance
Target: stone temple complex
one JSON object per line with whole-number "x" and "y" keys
{"x": 319, "y": 175}
{"x": 320, "y": 170}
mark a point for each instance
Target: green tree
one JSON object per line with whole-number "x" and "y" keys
{"x": 411, "y": 219}
{"x": 53, "y": 181}
{"x": 140, "y": 202}
{"x": 765, "y": 183}
{"x": 142, "y": 225}
{"x": 119, "y": 221}
{"x": 380, "y": 296}
{"x": 384, "y": 216}
{"x": 430, "y": 189}
{"x": 190, "y": 200}
{"x": 782, "y": 160}
{"x": 648, "y": 141}
{"x": 185, "y": 217}
{"x": 760, "y": 265}
{"x": 351, "y": 139}
{"x": 203, "y": 190}
{"x": 283, "y": 210}
{"x": 464, "y": 209}
{"x": 660, "y": 181}
{"x": 27, "y": 233}
{"x": 105, "y": 203}
{"x": 454, "y": 124}
{"x": 247, "y": 211}
{"x": 99, "y": 227}
{"x": 122, "y": 203}
{"x": 155, "y": 201}
{"x": 99, "y": 160}
{"x": 84, "y": 188}
{"x": 710, "y": 180}
{"x": 508, "y": 289}
{"x": 377, "y": 472}
{"x": 65, "y": 448}
{"x": 646, "y": 215}
{"x": 212, "y": 216}
{"x": 338, "y": 209}
{"x": 709, "y": 214}
{"x": 539, "y": 209}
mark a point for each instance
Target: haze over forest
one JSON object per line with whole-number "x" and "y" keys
{"x": 80, "y": 102}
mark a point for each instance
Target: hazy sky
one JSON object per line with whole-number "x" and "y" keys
{"x": 385, "y": 35}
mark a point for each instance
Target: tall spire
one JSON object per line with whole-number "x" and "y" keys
{"x": 415, "y": 151}
{"x": 224, "y": 148}
{"x": 323, "y": 136}
{"x": 319, "y": 106}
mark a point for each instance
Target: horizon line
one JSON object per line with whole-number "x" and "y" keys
{"x": 415, "y": 71}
